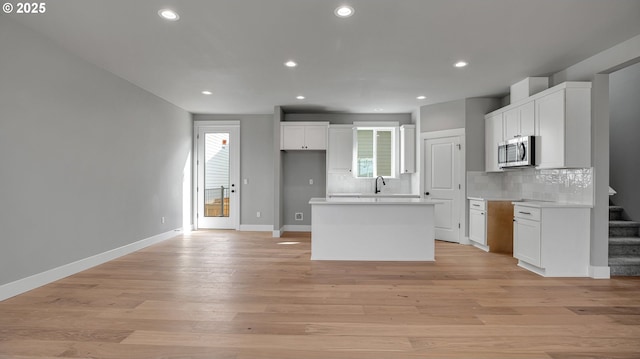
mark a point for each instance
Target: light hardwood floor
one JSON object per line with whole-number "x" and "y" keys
{"x": 240, "y": 295}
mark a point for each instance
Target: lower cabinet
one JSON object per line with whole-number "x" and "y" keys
{"x": 552, "y": 241}
{"x": 477, "y": 222}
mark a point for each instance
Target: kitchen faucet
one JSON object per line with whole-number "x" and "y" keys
{"x": 384, "y": 184}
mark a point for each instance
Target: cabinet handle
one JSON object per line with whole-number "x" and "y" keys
{"x": 476, "y": 205}
{"x": 482, "y": 213}
{"x": 529, "y": 213}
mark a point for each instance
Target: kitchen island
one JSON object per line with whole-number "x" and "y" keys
{"x": 372, "y": 229}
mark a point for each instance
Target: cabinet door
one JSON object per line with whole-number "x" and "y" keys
{"x": 549, "y": 113}
{"x": 527, "y": 119}
{"x": 292, "y": 137}
{"x": 526, "y": 241}
{"x": 477, "y": 226}
{"x": 512, "y": 123}
{"x": 315, "y": 137}
{"x": 340, "y": 150}
{"x": 520, "y": 121}
{"x": 407, "y": 149}
{"x": 493, "y": 135}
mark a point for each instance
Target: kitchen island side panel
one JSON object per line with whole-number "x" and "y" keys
{"x": 372, "y": 232}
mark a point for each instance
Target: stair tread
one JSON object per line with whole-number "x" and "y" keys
{"x": 622, "y": 223}
{"x": 615, "y": 208}
{"x": 624, "y": 240}
{"x": 626, "y": 261}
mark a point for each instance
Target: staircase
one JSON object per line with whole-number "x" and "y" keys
{"x": 624, "y": 244}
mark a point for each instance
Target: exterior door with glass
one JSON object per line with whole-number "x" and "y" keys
{"x": 218, "y": 177}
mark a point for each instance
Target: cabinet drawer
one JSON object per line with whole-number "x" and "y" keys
{"x": 476, "y": 204}
{"x": 527, "y": 213}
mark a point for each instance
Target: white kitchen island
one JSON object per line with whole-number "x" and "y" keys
{"x": 372, "y": 229}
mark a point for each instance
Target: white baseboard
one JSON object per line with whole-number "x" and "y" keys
{"x": 277, "y": 234}
{"x": 296, "y": 228}
{"x": 37, "y": 280}
{"x": 256, "y": 228}
{"x": 480, "y": 246}
{"x": 600, "y": 272}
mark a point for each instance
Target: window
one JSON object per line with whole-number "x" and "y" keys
{"x": 375, "y": 152}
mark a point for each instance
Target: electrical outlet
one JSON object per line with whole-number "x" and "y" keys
{"x": 162, "y": 220}
{"x": 246, "y": 181}
{"x": 311, "y": 181}
{"x": 298, "y": 216}
{"x": 258, "y": 214}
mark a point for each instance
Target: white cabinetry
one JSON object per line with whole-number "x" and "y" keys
{"x": 493, "y": 135}
{"x": 303, "y": 135}
{"x": 407, "y": 149}
{"x": 560, "y": 117}
{"x": 520, "y": 121}
{"x": 340, "y": 149}
{"x": 552, "y": 241}
{"x": 477, "y": 222}
{"x": 563, "y": 122}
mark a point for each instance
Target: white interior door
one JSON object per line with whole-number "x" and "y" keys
{"x": 218, "y": 167}
{"x": 442, "y": 183}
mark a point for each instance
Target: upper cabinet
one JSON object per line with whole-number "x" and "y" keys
{"x": 520, "y": 121}
{"x": 340, "y": 149}
{"x": 407, "y": 149}
{"x": 303, "y": 135}
{"x": 559, "y": 117}
{"x": 563, "y": 124}
{"x": 492, "y": 136}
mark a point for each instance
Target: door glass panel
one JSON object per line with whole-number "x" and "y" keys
{"x": 216, "y": 175}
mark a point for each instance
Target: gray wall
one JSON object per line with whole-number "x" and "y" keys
{"x": 475, "y": 109}
{"x": 89, "y": 162}
{"x": 299, "y": 167}
{"x": 256, "y": 165}
{"x": 624, "y": 105}
{"x": 443, "y": 116}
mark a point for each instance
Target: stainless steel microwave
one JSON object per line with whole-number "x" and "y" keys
{"x": 517, "y": 152}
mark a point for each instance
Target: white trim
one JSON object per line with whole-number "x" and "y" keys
{"x": 479, "y": 246}
{"x": 600, "y": 272}
{"x": 37, "y": 280}
{"x": 208, "y": 123}
{"x": 277, "y": 234}
{"x": 296, "y": 228}
{"x": 443, "y": 133}
{"x": 256, "y": 227}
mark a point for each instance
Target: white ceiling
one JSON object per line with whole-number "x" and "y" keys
{"x": 384, "y": 56}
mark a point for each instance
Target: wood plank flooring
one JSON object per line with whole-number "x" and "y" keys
{"x": 241, "y": 295}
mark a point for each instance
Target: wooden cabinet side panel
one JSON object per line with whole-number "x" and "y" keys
{"x": 500, "y": 227}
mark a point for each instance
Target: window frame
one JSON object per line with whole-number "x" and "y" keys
{"x": 395, "y": 153}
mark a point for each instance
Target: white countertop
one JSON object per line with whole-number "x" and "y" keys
{"x": 510, "y": 199}
{"x": 371, "y": 195}
{"x": 546, "y": 204}
{"x": 376, "y": 201}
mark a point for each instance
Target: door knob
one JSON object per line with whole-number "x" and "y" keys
{"x": 426, "y": 193}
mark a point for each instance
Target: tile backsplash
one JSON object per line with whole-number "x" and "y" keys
{"x": 346, "y": 183}
{"x": 559, "y": 185}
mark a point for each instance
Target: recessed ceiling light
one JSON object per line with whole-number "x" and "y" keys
{"x": 344, "y": 11}
{"x": 206, "y": 92}
{"x": 168, "y": 14}
{"x": 460, "y": 64}
{"x": 300, "y": 97}
{"x": 421, "y": 97}
{"x": 290, "y": 63}
{"x": 379, "y": 109}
